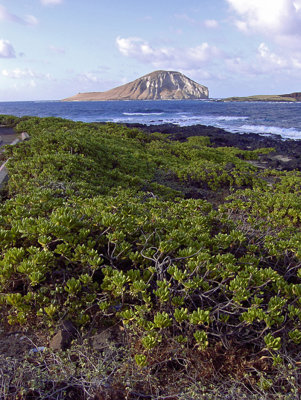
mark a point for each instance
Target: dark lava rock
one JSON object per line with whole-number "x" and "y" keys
{"x": 287, "y": 154}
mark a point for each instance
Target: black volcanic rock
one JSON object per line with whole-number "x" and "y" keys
{"x": 287, "y": 154}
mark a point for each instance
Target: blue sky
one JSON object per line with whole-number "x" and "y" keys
{"x": 51, "y": 49}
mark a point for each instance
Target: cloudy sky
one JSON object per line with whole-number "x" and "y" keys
{"x": 51, "y": 49}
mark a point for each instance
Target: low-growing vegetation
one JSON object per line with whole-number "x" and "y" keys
{"x": 105, "y": 225}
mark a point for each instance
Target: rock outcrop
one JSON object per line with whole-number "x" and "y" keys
{"x": 62, "y": 339}
{"x": 158, "y": 85}
{"x": 296, "y": 95}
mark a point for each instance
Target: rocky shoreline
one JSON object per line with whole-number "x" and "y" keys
{"x": 287, "y": 154}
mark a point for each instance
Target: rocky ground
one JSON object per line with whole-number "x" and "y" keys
{"x": 287, "y": 154}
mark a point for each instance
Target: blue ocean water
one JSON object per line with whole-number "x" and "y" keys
{"x": 266, "y": 118}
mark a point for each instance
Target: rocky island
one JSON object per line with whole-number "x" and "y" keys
{"x": 158, "y": 85}
{"x": 291, "y": 97}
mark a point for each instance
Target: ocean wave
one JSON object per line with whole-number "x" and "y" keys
{"x": 211, "y": 118}
{"x": 224, "y": 123}
{"x": 142, "y": 113}
{"x": 287, "y": 133}
{"x": 230, "y": 118}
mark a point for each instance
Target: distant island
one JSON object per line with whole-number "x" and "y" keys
{"x": 170, "y": 85}
{"x": 281, "y": 97}
{"x": 158, "y": 85}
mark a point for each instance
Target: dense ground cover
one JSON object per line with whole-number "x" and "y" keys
{"x": 106, "y": 225}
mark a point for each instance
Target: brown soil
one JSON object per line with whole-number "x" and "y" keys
{"x": 17, "y": 344}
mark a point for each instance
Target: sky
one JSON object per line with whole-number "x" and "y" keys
{"x": 52, "y": 49}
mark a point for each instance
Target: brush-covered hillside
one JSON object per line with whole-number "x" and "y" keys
{"x": 193, "y": 252}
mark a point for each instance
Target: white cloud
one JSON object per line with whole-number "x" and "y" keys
{"x": 32, "y": 83}
{"x": 5, "y": 15}
{"x": 88, "y": 77}
{"x": 208, "y": 23}
{"x": 25, "y": 73}
{"x": 238, "y": 66}
{"x": 57, "y": 50}
{"x": 17, "y": 73}
{"x": 284, "y": 64}
{"x": 31, "y": 20}
{"x": 271, "y": 59}
{"x": 186, "y": 18}
{"x": 274, "y": 17}
{"x": 267, "y": 63}
{"x": 167, "y": 57}
{"x": 90, "y": 81}
{"x": 6, "y": 49}
{"x": 280, "y": 22}
{"x": 51, "y": 2}
{"x": 211, "y": 23}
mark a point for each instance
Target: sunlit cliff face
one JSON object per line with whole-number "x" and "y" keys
{"x": 168, "y": 85}
{"x": 158, "y": 85}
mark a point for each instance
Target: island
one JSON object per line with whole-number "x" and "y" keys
{"x": 292, "y": 97}
{"x": 158, "y": 85}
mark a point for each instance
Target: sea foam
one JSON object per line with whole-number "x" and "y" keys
{"x": 287, "y": 133}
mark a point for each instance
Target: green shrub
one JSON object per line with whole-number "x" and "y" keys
{"x": 89, "y": 232}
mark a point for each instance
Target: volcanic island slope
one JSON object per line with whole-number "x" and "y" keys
{"x": 158, "y": 85}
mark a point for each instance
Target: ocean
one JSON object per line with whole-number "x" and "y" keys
{"x": 265, "y": 118}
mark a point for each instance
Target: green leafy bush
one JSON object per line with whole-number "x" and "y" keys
{"x": 89, "y": 230}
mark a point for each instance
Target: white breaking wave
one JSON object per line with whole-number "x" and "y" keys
{"x": 287, "y": 133}
{"x": 142, "y": 114}
{"x": 230, "y": 118}
{"x": 219, "y": 122}
{"x": 205, "y": 118}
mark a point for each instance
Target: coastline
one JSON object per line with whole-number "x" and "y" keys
{"x": 285, "y": 157}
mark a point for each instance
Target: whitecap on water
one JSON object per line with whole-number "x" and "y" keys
{"x": 287, "y": 133}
